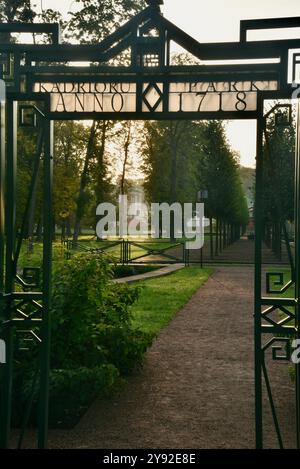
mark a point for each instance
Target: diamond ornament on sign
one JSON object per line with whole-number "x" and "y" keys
{"x": 153, "y": 96}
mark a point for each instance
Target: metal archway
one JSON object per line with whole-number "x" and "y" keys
{"x": 149, "y": 87}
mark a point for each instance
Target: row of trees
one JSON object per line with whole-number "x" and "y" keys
{"x": 279, "y": 174}
{"x": 178, "y": 159}
{"x": 185, "y": 157}
{"x": 93, "y": 161}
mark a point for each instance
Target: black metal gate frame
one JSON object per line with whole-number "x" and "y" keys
{"x": 25, "y": 69}
{"x": 283, "y": 330}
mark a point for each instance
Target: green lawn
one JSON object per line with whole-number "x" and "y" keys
{"x": 162, "y": 297}
{"x": 35, "y": 258}
{"x": 111, "y": 247}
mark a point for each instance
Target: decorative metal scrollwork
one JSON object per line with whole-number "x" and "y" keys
{"x": 26, "y": 339}
{"x": 27, "y": 116}
{"x": 279, "y": 282}
{"x": 290, "y": 316}
{"x": 27, "y": 310}
{"x": 279, "y": 276}
{"x": 152, "y": 96}
{"x": 31, "y": 275}
{"x": 285, "y": 346}
{"x": 296, "y": 68}
{"x": 7, "y": 66}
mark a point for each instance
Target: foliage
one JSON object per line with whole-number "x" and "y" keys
{"x": 70, "y": 142}
{"x": 247, "y": 176}
{"x": 179, "y": 157}
{"x": 170, "y": 153}
{"x": 219, "y": 175}
{"x": 16, "y": 10}
{"x": 182, "y": 158}
{"x": 96, "y": 20}
{"x": 66, "y": 406}
{"x": 90, "y": 314}
{"x": 279, "y": 170}
{"x": 91, "y": 24}
{"x": 92, "y": 333}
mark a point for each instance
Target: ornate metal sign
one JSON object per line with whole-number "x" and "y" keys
{"x": 121, "y": 97}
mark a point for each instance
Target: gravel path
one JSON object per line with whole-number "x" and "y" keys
{"x": 196, "y": 389}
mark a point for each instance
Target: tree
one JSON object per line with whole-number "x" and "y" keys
{"x": 218, "y": 174}
{"x": 169, "y": 151}
{"x": 82, "y": 194}
{"x": 96, "y": 20}
{"x": 16, "y": 10}
{"x": 93, "y": 23}
{"x": 279, "y": 170}
{"x": 70, "y": 141}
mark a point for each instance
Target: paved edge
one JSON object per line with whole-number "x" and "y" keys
{"x": 170, "y": 269}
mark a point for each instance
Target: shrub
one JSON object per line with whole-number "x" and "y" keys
{"x": 71, "y": 393}
{"x": 93, "y": 342}
{"x": 91, "y": 318}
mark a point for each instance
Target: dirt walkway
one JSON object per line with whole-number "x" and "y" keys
{"x": 196, "y": 389}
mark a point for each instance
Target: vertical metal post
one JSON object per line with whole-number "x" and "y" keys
{"x": 47, "y": 273}
{"x": 11, "y": 167}
{"x": 2, "y": 250}
{"x": 297, "y": 265}
{"x": 257, "y": 287}
{"x": 2, "y": 179}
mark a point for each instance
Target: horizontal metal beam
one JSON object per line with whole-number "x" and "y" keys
{"x": 286, "y": 330}
{"x": 221, "y": 115}
{"x": 212, "y": 51}
{"x": 203, "y": 76}
{"x": 191, "y": 70}
{"x": 270, "y": 23}
{"x": 26, "y": 296}
{"x": 34, "y": 28}
{"x": 278, "y": 301}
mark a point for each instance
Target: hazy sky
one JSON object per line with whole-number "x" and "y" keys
{"x": 215, "y": 21}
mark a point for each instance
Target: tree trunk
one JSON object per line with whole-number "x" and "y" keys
{"x": 100, "y": 165}
{"x": 211, "y": 237}
{"x": 31, "y": 216}
{"x": 173, "y": 175}
{"x": 68, "y": 227}
{"x": 81, "y": 203}
{"x": 38, "y": 232}
{"x": 63, "y": 229}
{"x": 125, "y": 161}
{"x": 220, "y": 236}
{"x": 217, "y": 238}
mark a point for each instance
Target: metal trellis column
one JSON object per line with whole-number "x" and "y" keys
{"x": 297, "y": 264}
{"x": 47, "y": 272}
{"x": 257, "y": 286}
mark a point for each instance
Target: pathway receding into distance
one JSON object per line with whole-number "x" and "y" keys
{"x": 196, "y": 389}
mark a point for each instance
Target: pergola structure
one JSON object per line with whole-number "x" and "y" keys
{"x": 132, "y": 75}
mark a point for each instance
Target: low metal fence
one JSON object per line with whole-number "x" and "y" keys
{"x": 138, "y": 252}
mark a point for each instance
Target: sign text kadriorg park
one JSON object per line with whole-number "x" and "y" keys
{"x": 182, "y": 97}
